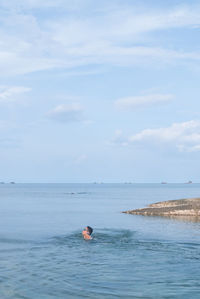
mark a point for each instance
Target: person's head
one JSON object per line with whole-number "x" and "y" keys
{"x": 89, "y": 230}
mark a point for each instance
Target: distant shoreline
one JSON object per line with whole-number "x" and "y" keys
{"x": 163, "y": 184}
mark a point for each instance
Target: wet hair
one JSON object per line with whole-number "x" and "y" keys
{"x": 90, "y": 230}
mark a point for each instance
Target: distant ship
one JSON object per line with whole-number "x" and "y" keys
{"x": 163, "y": 182}
{"x": 189, "y": 182}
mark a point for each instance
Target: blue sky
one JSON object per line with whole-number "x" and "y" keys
{"x": 99, "y": 91}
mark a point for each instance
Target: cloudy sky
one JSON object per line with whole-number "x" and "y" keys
{"x": 99, "y": 90}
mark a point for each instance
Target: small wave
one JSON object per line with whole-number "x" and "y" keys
{"x": 189, "y": 245}
{"x": 82, "y": 193}
{"x": 67, "y": 239}
{"x": 15, "y": 241}
{"x": 113, "y": 236}
{"x": 100, "y": 236}
{"x": 74, "y": 193}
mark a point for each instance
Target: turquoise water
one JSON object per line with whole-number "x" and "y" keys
{"x": 43, "y": 255}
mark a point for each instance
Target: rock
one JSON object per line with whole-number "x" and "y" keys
{"x": 183, "y": 207}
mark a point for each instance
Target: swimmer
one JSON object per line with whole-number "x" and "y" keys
{"x": 87, "y": 233}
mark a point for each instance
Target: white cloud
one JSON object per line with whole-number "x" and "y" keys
{"x": 120, "y": 139}
{"x": 37, "y": 4}
{"x": 141, "y": 101}
{"x": 183, "y": 136}
{"x": 195, "y": 148}
{"x": 9, "y": 143}
{"x": 67, "y": 113}
{"x": 78, "y": 160}
{"x": 30, "y": 43}
{"x": 11, "y": 93}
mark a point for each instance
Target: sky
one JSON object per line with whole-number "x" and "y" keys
{"x": 99, "y": 91}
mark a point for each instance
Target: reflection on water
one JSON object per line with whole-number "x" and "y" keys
{"x": 186, "y": 219}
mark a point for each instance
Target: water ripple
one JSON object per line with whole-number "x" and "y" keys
{"x": 115, "y": 264}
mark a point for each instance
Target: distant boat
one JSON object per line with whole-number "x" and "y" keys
{"x": 163, "y": 183}
{"x": 12, "y": 182}
{"x": 189, "y": 182}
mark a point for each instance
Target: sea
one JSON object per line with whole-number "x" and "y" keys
{"x": 43, "y": 254}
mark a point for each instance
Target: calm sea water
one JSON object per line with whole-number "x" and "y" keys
{"x": 43, "y": 255}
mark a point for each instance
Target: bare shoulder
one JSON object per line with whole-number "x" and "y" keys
{"x": 87, "y": 237}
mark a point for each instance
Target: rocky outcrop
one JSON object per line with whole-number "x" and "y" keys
{"x": 184, "y": 207}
